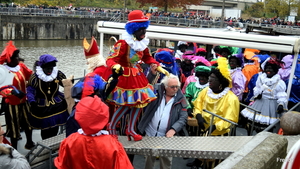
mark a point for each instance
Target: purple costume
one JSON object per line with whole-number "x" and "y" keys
{"x": 238, "y": 82}
{"x": 284, "y": 73}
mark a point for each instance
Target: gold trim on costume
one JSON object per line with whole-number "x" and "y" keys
{"x": 50, "y": 115}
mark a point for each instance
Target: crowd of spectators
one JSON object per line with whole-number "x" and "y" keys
{"x": 185, "y": 15}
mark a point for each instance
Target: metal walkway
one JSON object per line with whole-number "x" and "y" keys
{"x": 186, "y": 147}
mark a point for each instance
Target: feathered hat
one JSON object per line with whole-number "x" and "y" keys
{"x": 223, "y": 68}
{"x": 7, "y": 52}
{"x": 167, "y": 60}
{"x": 92, "y": 54}
{"x": 136, "y": 20}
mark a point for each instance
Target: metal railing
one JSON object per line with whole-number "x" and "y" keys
{"x": 114, "y": 17}
{"x": 212, "y": 120}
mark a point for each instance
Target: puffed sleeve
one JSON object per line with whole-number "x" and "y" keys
{"x": 116, "y": 53}
{"x": 281, "y": 95}
{"x": 198, "y": 102}
{"x": 31, "y": 88}
{"x": 189, "y": 94}
{"x": 147, "y": 57}
{"x": 230, "y": 113}
{"x": 239, "y": 82}
{"x": 27, "y": 72}
{"x": 258, "y": 88}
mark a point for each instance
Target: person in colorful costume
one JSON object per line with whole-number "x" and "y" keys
{"x": 167, "y": 61}
{"x": 270, "y": 97}
{"x": 263, "y": 59}
{"x": 182, "y": 47}
{"x": 16, "y": 107}
{"x": 133, "y": 91}
{"x": 192, "y": 92}
{"x": 96, "y": 82}
{"x": 219, "y": 99}
{"x": 284, "y": 72}
{"x": 237, "y": 76}
{"x": 187, "y": 65}
{"x": 47, "y": 103}
{"x": 91, "y": 146}
{"x": 199, "y": 60}
{"x": 193, "y": 89}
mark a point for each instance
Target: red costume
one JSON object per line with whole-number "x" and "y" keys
{"x": 91, "y": 147}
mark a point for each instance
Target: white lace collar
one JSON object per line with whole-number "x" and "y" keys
{"x": 135, "y": 44}
{"x": 44, "y": 77}
{"x": 269, "y": 81}
{"x": 198, "y": 85}
{"x": 211, "y": 94}
{"x": 13, "y": 69}
{"x": 99, "y": 133}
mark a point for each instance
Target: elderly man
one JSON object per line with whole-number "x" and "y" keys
{"x": 166, "y": 116}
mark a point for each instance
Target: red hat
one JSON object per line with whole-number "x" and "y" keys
{"x": 91, "y": 114}
{"x": 90, "y": 50}
{"x": 137, "y": 16}
{"x": 7, "y": 53}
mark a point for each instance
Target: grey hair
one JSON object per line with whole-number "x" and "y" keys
{"x": 166, "y": 79}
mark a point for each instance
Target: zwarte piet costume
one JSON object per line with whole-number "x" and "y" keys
{"x": 48, "y": 105}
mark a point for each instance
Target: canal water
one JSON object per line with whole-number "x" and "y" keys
{"x": 70, "y": 53}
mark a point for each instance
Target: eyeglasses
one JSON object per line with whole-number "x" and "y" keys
{"x": 173, "y": 87}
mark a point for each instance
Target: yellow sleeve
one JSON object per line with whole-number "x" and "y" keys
{"x": 230, "y": 112}
{"x": 199, "y": 101}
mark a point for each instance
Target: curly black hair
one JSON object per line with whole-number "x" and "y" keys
{"x": 238, "y": 60}
{"x": 222, "y": 79}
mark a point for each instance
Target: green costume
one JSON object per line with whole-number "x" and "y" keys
{"x": 192, "y": 91}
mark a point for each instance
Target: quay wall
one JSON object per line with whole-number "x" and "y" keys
{"x": 14, "y": 27}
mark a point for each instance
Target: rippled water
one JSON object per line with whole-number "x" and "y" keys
{"x": 70, "y": 54}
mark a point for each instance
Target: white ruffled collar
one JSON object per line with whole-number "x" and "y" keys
{"x": 198, "y": 85}
{"x": 135, "y": 44}
{"x": 235, "y": 69}
{"x": 13, "y": 69}
{"x": 211, "y": 94}
{"x": 269, "y": 81}
{"x": 99, "y": 133}
{"x": 40, "y": 73}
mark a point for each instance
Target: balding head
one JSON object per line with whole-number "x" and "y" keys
{"x": 290, "y": 123}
